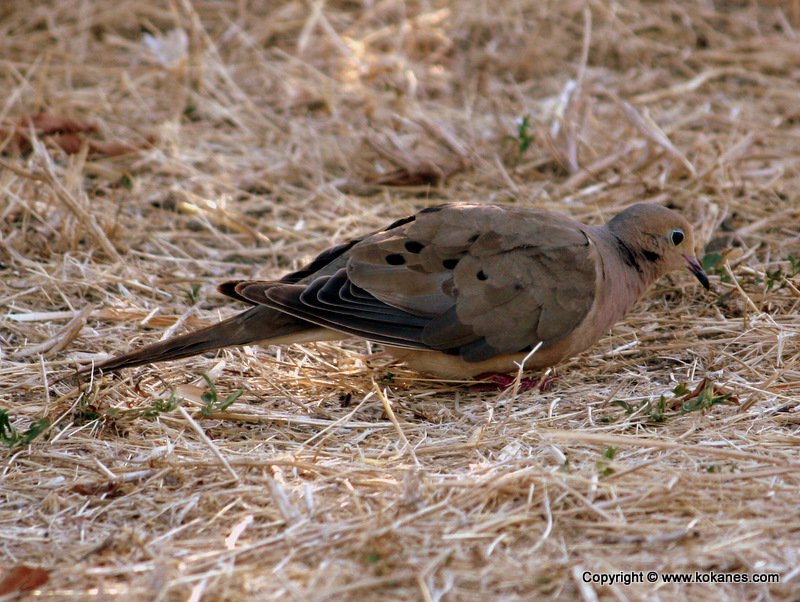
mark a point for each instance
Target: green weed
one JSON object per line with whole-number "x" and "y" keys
{"x": 11, "y": 437}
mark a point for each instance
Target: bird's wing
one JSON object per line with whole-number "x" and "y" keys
{"x": 473, "y": 280}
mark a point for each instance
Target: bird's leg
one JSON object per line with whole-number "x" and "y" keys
{"x": 498, "y": 382}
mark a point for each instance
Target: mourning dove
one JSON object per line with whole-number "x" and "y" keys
{"x": 458, "y": 290}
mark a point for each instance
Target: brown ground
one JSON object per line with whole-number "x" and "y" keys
{"x": 213, "y": 140}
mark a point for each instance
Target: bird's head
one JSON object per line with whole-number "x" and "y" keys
{"x": 659, "y": 240}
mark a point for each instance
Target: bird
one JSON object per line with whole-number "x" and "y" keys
{"x": 457, "y": 290}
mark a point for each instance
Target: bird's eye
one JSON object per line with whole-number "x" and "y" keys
{"x": 676, "y": 236}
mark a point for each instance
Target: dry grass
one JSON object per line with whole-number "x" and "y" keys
{"x": 268, "y": 131}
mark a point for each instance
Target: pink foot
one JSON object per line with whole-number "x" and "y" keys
{"x": 498, "y": 382}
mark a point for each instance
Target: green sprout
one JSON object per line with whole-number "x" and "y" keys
{"x": 210, "y": 398}
{"x": 524, "y": 137}
{"x": 11, "y": 437}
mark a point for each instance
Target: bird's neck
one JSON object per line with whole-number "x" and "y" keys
{"x": 628, "y": 270}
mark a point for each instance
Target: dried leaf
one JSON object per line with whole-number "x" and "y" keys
{"x": 67, "y": 134}
{"x": 23, "y": 578}
{"x": 106, "y": 488}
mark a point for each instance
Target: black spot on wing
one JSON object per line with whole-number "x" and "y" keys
{"x": 450, "y": 264}
{"x": 320, "y": 261}
{"x": 401, "y": 222}
{"x": 395, "y": 259}
{"x": 414, "y": 246}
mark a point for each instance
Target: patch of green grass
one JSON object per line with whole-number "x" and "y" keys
{"x": 211, "y": 398}
{"x": 126, "y": 181}
{"x": 524, "y": 137}
{"x": 655, "y": 412}
{"x": 192, "y": 293}
{"x": 779, "y": 277}
{"x": 713, "y": 264}
{"x": 729, "y": 467}
{"x": 11, "y": 437}
{"x": 161, "y": 407}
{"x": 684, "y": 400}
{"x": 372, "y": 557}
{"x": 705, "y": 400}
{"x": 84, "y": 414}
{"x": 604, "y": 467}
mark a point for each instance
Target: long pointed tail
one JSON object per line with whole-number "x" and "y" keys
{"x": 257, "y": 324}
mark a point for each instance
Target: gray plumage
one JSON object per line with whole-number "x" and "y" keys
{"x": 458, "y": 290}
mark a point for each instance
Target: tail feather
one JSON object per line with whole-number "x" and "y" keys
{"x": 258, "y": 324}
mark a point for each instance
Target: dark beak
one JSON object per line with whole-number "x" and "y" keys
{"x": 696, "y": 269}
